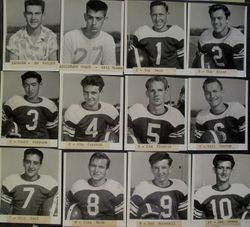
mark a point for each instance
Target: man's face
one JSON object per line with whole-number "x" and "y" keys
{"x": 34, "y": 16}
{"x": 159, "y": 18}
{"x": 91, "y": 95}
{"x": 156, "y": 93}
{"x": 98, "y": 169}
{"x": 31, "y": 165}
{"x": 161, "y": 170}
{"x": 223, "y": 171}
{"x": 31, "y": 88}
{"x": 213, "y": 94}
{"x": 94, "y": 21}
{"x": 219, "y": 21}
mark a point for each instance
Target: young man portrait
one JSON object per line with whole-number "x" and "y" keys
{"x": 90, "y": 44}
{"x": 34, "y": 41}
{"x": 224, "y": 199}
{"x": 162, "y": 193}
{"x": 98, "y": 197}
{"x": 222, "y": 120}
{"x": 162, "y": 42}
{"x": 158, "y": 122}
{"x": 91, "y": 119}
{"x": 26, "y": 193}
{"x": 223, "y": 43}
{"x": 30, "y": 116}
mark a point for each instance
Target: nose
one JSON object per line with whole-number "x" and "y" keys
{"x": 94, "y": 21}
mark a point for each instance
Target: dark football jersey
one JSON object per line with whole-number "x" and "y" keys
{"x": 33, "y": 119}
{"x": 164, "y": 49}
{"x": 210, "y": 203}
{"x": 26, "y": 197}
{"x": 227, "y": 52}
{"x": 230, "y": 123}
{"x": 159, "y": 129}
{"x": 84, "y": 125}
{"x": 102, "y": 203}
{"x": 172, "y": 200}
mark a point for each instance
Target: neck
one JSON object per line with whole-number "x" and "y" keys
{"x": 163, "y": 184}
{"x": 34, "y": 32}
{"x": 96, "y": 107}
{"x": 32, "y": 100}
{"x": 157, "y": 110}
{"x": 97, "y": 183}
{"x": 165, "y": 28}
{"x": 219, "y": 109}
{"x": 89, "y": 34}
{"x": 222, "y": 33}
{"x": 221, "y": 186}
{"x": 33, "y": 178}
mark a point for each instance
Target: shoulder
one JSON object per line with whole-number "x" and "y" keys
{"x": 204, "y": 192}
{"x": 18, "y": 35}
{"x": 173, "y": 116}
{"x": 139, "y": 188}
{"x": 15, "y": 101}
{"x": 240, "y": 189}
{"x": 72, "y": 112}
{"x": 49, "y": 33}
{"x": 235, "y": 36}
{"x": 143, "y": 31}
{"x": 49, "y": 104}
{"x": 106, "y": 35}
{"x": 137, "y": 110}
{"x": 173, "y": 110}
{"x": 235, "y": 106}
{"x": 48, "y": 181}
{"x": 79, "y": 185}
{"x": 109, "y": 109}
{"x": 175, "y": 32}
{"x": 206, "y": 35}
{"x": 11, "y": 181}
{"x": 74, "y": 34}
{"x": 115, "y": 187}
{"x": 180, "y": 186}
{"x": 203, "y": 116}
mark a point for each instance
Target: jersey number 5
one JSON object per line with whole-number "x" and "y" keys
{"x": 93, "y": 204}
{"x": 154, "y": 137}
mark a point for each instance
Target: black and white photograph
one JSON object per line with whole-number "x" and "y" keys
{"x": 30, "y": 108}
{"x": 32, "y": 30}
{"x": 156, "y": 35}
{"x": 93, "y": 32}
{"x": 218, "y": 113}
{"x": 30, "y": 185}
{"x": 217, "y": 37}
{"x": 91, "y": 113}
{"x": 95, "y": 188}
{"x": 220, "y": 188}
{"x": 155, "y": 108}
{"x": 160, "y": 191}
{"x": 1, "y": 35}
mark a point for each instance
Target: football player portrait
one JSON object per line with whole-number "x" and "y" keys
{"x": 162, "y": 42}
{"x": 34, "y": 41}
{"x": 223, "y": 45}
{"x": 91, "y": 42}
{"x": 91, "y": 120}
{"x": 29, "y": 192}
{"x": 98, "y": 197}
{"x": 226, "y": 198}
{"x": 157, "y": 121}
{"x": 30, "y": 116}
{"x": 222, "y": 121}
{"x": 162, "y": 197}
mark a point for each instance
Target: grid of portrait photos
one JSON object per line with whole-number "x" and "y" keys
{"x": 124, "y": 113}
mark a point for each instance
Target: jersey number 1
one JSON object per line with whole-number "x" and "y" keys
{"x": 158, "y": 57}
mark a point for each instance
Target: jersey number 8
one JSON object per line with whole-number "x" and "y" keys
{"x": 93, "y": 204}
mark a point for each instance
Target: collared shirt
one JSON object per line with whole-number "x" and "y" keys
{"x": 21, "y": 45}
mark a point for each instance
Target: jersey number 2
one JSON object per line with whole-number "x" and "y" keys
{"x": 93, "y": 204}
{"x": 217, "y": 56}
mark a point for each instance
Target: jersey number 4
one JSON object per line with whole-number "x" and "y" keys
{"x": 92, "y": 128}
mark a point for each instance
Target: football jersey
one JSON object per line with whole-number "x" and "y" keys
{"x": 230, "y": 123}
{"x": 164, "y": 49}
{"x": 103, "y": 202}
{"x": 78, "y": 49}
{"x": 158, "y": 129}
{"x": 210, "y": 203}
{"x": 227, "y": 52}
{"x": 34, "y": 120}
{"x": 26, "y": 197}
{"x": 85, "y": 125}
{"x": 172, "y": 200}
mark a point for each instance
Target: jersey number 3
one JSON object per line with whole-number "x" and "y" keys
{"x": 34, "y": 121}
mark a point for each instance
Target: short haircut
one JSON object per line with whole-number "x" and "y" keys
{"x": 222, "y": 158}
{"x": 100, "y": 155}
{"x": 97, "y": 5}
{"x": 211, "y": 80}
{"x": 216, "y": 7}
{"x": 94, "y": 80}
{"x": 34, "y": 3}
{"x": 159, "y": 79}
{"x": 31, "y": 74}
{"x": 158, "y": 3}
{"x": 32, "y": 151}
{"x": 158, "y": 156}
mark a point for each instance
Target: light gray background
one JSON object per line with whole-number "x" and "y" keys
{"x": 72, "y": 89}
{"x": 136, "y": 89}
{"x": 141, "y": 169}
{"x": 12, "y": 162}
{"x": 15, "y": 10}
{"x": 234, "y": 90}
{"x": 138, "y": 14}
{"x": 12, "y": 84}
{"x": 77, "y": 167}
{"x": 74, "y": 15}
{"x": 203, "y": 174}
